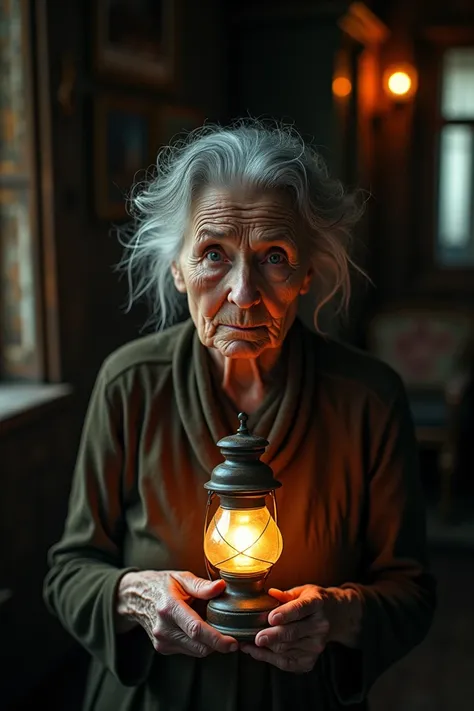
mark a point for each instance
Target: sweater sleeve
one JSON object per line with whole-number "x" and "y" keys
{"x": 85, "y": 566}
{"x": 396, "y": 588}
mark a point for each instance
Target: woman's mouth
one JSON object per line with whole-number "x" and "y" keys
{"x": 242, "y": 328}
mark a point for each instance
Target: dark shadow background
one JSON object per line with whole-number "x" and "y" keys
{"x": 261, "y": 58}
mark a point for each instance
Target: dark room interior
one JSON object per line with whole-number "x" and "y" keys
{"x": 385, "y": 88}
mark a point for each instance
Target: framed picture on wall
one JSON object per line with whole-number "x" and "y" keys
{"x": 136, "y": 40}
{"x": 422, "y": 344}
{"x": 123, "y": 150}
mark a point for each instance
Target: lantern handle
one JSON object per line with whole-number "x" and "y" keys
{"x": 275, "y": 510}
{"x": 275, "y": 518}
{"x": 209, "y": 571}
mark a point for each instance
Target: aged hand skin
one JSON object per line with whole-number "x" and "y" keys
{"x": 308, "y": 618}
{"x": 160, "y": 601}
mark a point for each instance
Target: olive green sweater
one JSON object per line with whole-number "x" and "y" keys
{"x": 351, "y": 513}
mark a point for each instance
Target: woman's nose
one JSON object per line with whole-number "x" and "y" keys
{"x": 243, "y": 291}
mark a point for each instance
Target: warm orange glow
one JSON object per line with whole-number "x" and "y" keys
{"x": 243, "y": 540}
{"x": 400, "y": 82}
{"x": 341, "y": 87}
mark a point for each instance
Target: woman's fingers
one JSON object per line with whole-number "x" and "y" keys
{"x": 297, "y": 603}
{"x": 161, "y": 606}
{"x": 291, "y": 594}
{"x": 301, "y": 647}
{"x": 297, "y": 609}
{"x": 298, "y": 663}
{"x": 199, "y": 631}
{"x": 198, "y": 588}
{"x": 280, "y": 595}
{"x": 312, "y": 626}
{"x": 172, "y": 640}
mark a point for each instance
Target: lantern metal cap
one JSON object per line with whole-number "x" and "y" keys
{"x": 242, "y": 471}
{"x": 243, "y": 439}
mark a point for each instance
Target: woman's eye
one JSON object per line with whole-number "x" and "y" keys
{"x": 276, "y": 258}
{"x": 213, "y": 256}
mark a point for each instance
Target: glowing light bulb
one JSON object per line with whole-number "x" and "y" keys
{"x": 399, "y": 83}
{"x": 243, "y": 540}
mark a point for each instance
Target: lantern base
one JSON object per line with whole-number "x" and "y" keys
{"x": 242, "y": 609}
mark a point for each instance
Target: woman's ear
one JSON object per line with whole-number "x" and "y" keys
{"x": 178, "y": 278}
{"x": 306, "y": 285}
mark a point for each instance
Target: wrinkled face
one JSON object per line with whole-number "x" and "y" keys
{"x": 243, "y": 266}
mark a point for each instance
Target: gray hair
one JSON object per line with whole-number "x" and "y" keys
{"x": 265, "y": 156}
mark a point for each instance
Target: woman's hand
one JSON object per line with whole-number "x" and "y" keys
{"x": 160, "y": 602}
{"x": 307, "y": 619}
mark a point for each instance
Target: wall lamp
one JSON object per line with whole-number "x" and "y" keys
{"x": 400, "y": 82}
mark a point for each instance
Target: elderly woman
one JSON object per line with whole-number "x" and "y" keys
{"x": 242, "y": 221}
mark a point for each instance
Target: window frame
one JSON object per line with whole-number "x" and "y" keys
{"x": 433, "y": 276}
{"x": 44, "y": 367}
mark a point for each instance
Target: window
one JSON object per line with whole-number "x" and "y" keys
{"x": 455, "y": 218}
{"x": 20, "y": 308}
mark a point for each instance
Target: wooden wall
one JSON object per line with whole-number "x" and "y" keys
{"x": 37, "y": 455}
{"x": 36, "y": 458}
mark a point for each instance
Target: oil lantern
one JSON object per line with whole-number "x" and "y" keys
{"x": 242, "y": 542}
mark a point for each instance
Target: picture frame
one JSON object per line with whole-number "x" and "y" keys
{"x": 124, "y": 136}
{"x": 135, "y": 41}
{"x": 423, "y": 345}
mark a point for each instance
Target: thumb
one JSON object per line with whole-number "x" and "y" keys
{"x": 200, "y": 588}
{"x": 291, "y": 594}
{"x": 280, "y": 595}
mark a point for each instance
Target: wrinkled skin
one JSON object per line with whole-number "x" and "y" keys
{"x": 162, "y": 603}
{"x": 243, "y": 266}
{"x": 309, "y": 616}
